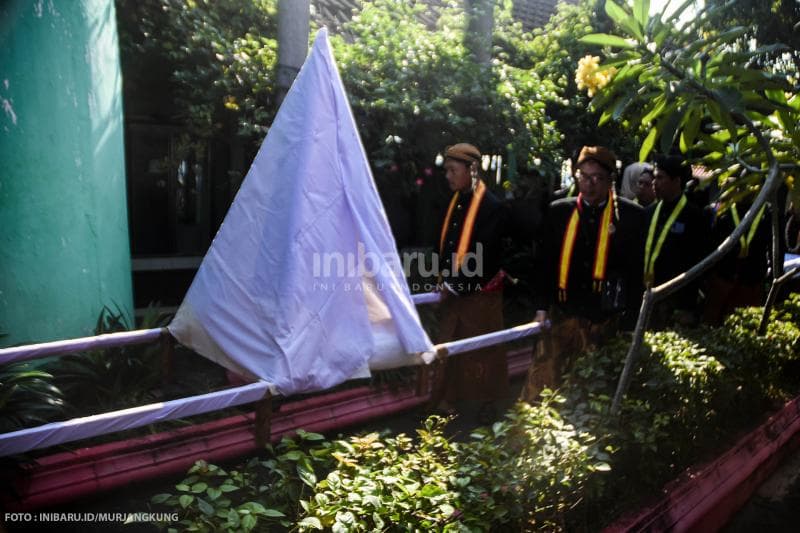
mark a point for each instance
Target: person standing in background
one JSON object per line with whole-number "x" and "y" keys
{"x": 677, "y": 239}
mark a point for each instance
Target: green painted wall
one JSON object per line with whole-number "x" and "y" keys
{"x": 64, "y": 249}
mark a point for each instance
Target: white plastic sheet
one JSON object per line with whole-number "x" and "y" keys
{"x": 302, "y": 286}
{"x": 54, "y": 433}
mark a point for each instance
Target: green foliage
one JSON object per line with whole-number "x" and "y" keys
{"x": 110, "y": 378}
{"x": 27, "y": 397}
{"x": 553, "y": 53}
{"x": 701, "y": 88}
{"x": 526, "y": 471}
{"x": 414, "y": 89}
{"x": 213, "y": 499}
{"x": 693, "y": 393}
{"x": 221, "y": 57}
{"x": 767, "y": 22}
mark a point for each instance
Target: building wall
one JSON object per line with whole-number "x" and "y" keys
{"x": 64, "y": 250}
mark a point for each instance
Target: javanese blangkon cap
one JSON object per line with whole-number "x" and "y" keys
{"x": 600, "y": 154}
{"x": 464, "y": 152}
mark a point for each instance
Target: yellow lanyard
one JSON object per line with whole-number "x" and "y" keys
{"x": 651, "y": 257}
{"x": 601, "y": 251}
{"x": 744, "y": 248}
{"x": 469, "y": 224}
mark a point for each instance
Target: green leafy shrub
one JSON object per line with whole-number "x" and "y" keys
{"x": 542, "y": 467}
{"x": 525, "y": 471}
{"x": 260, "y": 495}
{"x": 110, "y": 378}
{"x": 694, "y": 391}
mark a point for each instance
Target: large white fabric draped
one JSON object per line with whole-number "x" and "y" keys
{"x": 302, "y": 286}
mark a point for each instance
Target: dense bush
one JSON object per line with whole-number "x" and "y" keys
{"x": 543, "y": 467}
{"x": 528, "y": 469}
{"x": 693, "y": 393}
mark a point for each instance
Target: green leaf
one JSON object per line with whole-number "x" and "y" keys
{"x": 615, "y": 12}
{"x": 228, "y": 488}
{"x": 690, "y": 130}
{"x": 307, "y": 476}
{"x": 602, "y": 467}
{"x": 621, "y": 18}
{"x": 232, "y": 519}
{"x": 185, "y": 500}
{"x": 249, "y": 522}
{"x": 605, "y": 117}
{"x": 660, "y": 32}
{"x": 711, "y": 144}
{"x": 160, "y": 498}
{"x": 729, "y": 99}
{"x": 604, "y": 39}
{"x": 372, "y": 500}
{"x": 253, "y": 507}
{"x": 274, "y": 513}
{"x": 205, "y": 507}
{"x": 628, "y": 71}
{"x": 647, "y": 145}
{"x": 641, "y": 10}
{"x": 294, "y": 455}
{"x": 659, "y": 104}
{"x": 723, "y": 118}
{"x": 213, "y": 493}
{"x": 622, "y": 104}
{"x": 197, "y": 488}
{"x": 429, "y": 491}
{"x": 307, "y": 435}
{"x": 310, "y": 522}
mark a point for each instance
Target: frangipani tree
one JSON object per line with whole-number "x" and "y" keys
{"x": 705, "y": 91}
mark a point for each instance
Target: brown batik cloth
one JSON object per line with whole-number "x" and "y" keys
{"x": 724, "y": 296}
{"x": 480, "y": 374}
{"x": 557, "y": 348}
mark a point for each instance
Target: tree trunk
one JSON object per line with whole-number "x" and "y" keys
{"x": 478, "y": 37}
{"x": 293, "y": 29}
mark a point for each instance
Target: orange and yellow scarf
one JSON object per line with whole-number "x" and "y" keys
{"x": 469, "y": 224}
{"x": 601, "y": 251}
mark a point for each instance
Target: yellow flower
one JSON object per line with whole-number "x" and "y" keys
{"x": 589, "y": 76}
{"x": 230, "y": 103}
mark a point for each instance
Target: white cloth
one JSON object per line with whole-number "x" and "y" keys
{"x": 280, "y": 295}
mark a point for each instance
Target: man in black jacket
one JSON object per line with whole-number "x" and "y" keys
{"x": 678, "y": 237}
{"x": 589, "y": 269}
{"x": 470, "y": 249}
